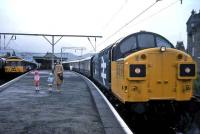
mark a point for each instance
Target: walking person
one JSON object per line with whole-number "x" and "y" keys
{"x": 50, "y": 82}
{"x": 58, "y": 72}
{"x": 37, "y": 81}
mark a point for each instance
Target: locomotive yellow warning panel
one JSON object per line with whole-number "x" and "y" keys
{"x": 158, "y": 76}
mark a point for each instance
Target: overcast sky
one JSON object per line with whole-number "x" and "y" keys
{"x": 91, "y": 17}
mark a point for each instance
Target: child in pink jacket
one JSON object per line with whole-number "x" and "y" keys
{"x": 37, "y": 81}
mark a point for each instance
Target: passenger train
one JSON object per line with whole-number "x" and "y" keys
{"x": 141, "y": 70}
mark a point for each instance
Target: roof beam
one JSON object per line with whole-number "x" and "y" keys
{"x": 64, "y": 35}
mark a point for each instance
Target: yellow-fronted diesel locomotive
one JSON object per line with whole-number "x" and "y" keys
{"x": 15, "y": 66}
{"x": 141, "y": 70}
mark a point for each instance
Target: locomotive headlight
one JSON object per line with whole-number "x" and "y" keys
{"x": 137, "y": 70}
{"x": 187, "y": 70}
{"x": 163, "y": 49}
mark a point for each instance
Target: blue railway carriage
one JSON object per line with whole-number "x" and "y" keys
{"x": 82, "y": 66}
{"x": 85, "y": 66}
{"x": 66, "y": 65}
{"x": 73, "y": 65}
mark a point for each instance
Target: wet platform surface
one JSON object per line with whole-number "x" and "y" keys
{"x": 71, "y": 111}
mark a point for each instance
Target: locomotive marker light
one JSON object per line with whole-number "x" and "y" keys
{"x": 163, "y": 49}
{"x": 180, "y": 56}
{"x": 143, "y": 56}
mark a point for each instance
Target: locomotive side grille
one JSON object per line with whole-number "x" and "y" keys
{"x": 120, "y": 70}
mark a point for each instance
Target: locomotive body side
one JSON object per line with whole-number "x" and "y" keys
{"x": 101, "y": 64}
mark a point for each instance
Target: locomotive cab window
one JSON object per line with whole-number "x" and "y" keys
{"x": 124, "y": 47}
{"x": 128, "y": 44}
{"x": 146, "y": 41}
{"x": 13, "y": 63}
{"x": 136, "y": 42}
{"x": 162, "y": 42}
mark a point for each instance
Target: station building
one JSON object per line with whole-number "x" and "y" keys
{"x": 46, "y": 60}
{"x": 193, "y": 37}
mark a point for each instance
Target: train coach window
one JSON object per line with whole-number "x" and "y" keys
{"x": 162, "y": 42}
{"x": 128, "y": 44}
{"x": 146, "y": 41}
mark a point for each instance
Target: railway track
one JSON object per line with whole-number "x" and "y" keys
{"x": 140, "y": 124}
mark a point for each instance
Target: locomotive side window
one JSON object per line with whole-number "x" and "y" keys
{"x": 146, "y": 41}
{"x": 162, "y": 42}
{"x": 128, "y": 44}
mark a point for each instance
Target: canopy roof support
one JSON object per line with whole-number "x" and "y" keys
{"x": 52, "y": 41}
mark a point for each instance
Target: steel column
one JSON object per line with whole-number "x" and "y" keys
{"x": 0, "y": 41}
{"x": 4, "y": 41}
{"x": 61, "y": 55}
{"x": 52, "y": 53}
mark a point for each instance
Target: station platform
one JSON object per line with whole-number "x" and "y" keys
{"x": 77, "y": 109}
